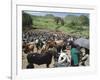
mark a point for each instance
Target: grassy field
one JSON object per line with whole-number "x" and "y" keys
{"x": 42, "y": 22}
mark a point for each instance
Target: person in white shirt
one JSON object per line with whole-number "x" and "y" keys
{"x": 64, "y": 60}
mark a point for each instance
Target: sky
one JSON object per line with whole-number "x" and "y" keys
{"x": 57, "y": 14}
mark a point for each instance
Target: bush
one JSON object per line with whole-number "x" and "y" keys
{"x": 72, "y": 24}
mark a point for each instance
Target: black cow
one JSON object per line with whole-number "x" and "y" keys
{"x": 43, "y": 58}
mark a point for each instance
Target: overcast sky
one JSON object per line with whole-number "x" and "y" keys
{"x": 58, "y": 14}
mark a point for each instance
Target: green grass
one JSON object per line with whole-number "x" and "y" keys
{"x": 49, "y": 23}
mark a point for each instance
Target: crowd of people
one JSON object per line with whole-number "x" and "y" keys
{"x": 74, "y": 56}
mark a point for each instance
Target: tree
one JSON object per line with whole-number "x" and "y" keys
{"x": 71, "y": 18}
{"x": 59, "y": 20}
{"x": 84, "y": 20}
{"x": 26, "y": 19}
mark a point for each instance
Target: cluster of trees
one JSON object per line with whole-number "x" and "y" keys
{"x": 26, "y": 20}
{"x": 84, "y": 20}
{"x": 73, "y": 20}
{"x": 81, "y": 20}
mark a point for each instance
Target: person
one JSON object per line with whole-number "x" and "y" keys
{"x": 84, "y": 61}
{"x": 63, "y": 60}
{"x": 68, "y": 52}
{"x": 74, "y": 55}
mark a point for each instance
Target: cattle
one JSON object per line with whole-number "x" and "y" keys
{"x": 29, "y": 47}
{"x": 60, "y": 45}
{"x": 40, "y": 59}
{"x": 37, "y": 44}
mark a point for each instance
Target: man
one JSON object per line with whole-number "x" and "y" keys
{"x": 63, "y": 60}
{"x": 74, "y": 55}
{"x": 84, "y": 61}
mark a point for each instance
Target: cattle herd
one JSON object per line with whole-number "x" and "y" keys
{"x": 43, "y": 45}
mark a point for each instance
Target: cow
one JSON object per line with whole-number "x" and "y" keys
{"x": 39, "y": 59}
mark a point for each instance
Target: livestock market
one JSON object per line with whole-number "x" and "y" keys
{"x": 51, "y": 40}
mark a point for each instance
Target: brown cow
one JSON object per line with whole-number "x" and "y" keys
{"x": 30, "y": 47}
